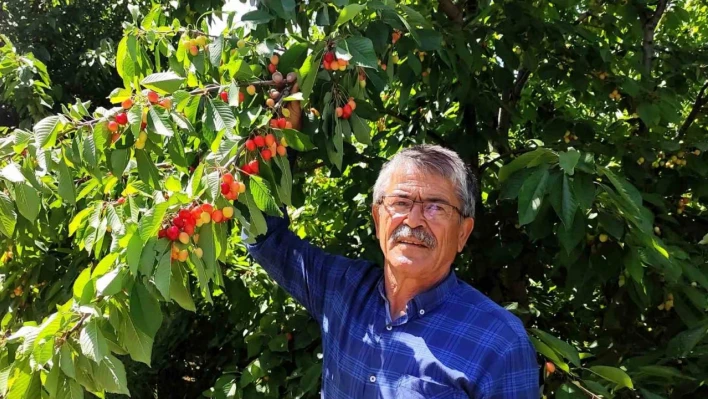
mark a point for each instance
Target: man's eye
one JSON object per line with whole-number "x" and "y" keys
{"x": 435, "y": 207}
{"x": 400, "y": 203}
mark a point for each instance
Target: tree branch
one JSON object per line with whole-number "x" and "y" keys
{"x": 650, "y": 24}
{"x": 448, "y": 8}
{"x": 509, "y": 100}
{"x": 700, "y": 101}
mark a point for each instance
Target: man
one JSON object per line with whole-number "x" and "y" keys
{"x": 410, "y": 329}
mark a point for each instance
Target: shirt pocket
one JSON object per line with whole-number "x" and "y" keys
{"x": 411, "y": 387}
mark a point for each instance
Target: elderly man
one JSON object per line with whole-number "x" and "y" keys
{"x": 411, "y": 329}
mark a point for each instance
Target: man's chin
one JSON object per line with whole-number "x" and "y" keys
{"x": 409, "y": 259}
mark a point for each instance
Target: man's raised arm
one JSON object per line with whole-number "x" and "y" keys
{"x": 304, "y": 270}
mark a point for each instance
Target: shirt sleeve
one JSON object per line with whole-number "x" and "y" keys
{"x": 516, "y": 374}
{"x": 305, "y": 271}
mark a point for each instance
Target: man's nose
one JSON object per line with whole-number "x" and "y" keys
{"x": 415, "y": 216}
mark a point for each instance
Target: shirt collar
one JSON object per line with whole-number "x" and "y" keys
{"x": 426, "y": 301}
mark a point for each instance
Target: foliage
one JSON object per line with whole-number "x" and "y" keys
{"x": 584, "y": 121}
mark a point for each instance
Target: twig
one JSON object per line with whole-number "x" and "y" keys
{"x": 695, "y": 110}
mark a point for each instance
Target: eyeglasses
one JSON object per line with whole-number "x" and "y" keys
{"x": 432, "y": 210}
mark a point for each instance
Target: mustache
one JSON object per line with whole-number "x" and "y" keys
{"x": 419, "y": 234}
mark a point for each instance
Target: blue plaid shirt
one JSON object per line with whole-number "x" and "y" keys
{"x": 453, "y": 342}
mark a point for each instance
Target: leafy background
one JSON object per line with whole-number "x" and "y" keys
{"x": 584, "y": 120}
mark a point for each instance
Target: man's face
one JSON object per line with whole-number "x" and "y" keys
{"x": 413, "y": 245}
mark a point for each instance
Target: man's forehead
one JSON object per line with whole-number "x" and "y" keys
{"x": 409, "y": 178}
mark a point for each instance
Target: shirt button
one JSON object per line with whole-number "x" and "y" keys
{"x": 372, "y": 378}
{"x": 422, "y": 312}
{"x": 389, "y": 327}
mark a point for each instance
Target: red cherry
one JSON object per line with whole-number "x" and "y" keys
{"x": 143, "y": 125}
{"x": 122, "y": 118}
{"x": 254, "y": 166}
{"x": 346, "y": 111}
{"x": 259, "y": 140}
{"x": 274, "y": 123}
{"x": 225, "y": 188}
{"x": 120, "y": 201}
{"x": 272, "y": 68}
{"x": 224, "y": 96}
{"x": 173, "y": 233}
{"x": 266, "y": 154}
{"x": 241, "y": 97}
{"x": 113, "y": 126}
{"x": 329, "y": 56}
{"x": 250, "y": 145}
{"x": 208, "y": 208}
{"x": 246, "y": 169}
{"x": 162, "y": 233}
{"x": 189, "y": 229}
{"x": 152, "y": 96}
{"x": 227, "y": 178}
{"x": 178, "y": 221}
{"x": 184, "y": 214}
{"x": 281, "y": 123}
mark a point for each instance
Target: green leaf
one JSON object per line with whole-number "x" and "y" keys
{"x": 584, "y": 190}
{"x": 45, "y": 131}
{"x": 286, "y": 180}
{"x": 262, "y": 196}
{"x": 308, "y": 71}
{"x": 163, "y": 275}
{"x": 257, "y": 16}
{"x": 563, "y": 199}
{"x": 215, "y": 48}
{"x": 683, "y": 343}
{"x": 207, "y": 242}
{"x": 145, "y": 311}
{"x": 110, "y": 375}
{"x": 66, "y": 361}
{"x": 531, "y": 195}
{"x": 613, "y": 374}
{"x": 567, "y": 161}
{"x": 110, "y": 283}
{"x": 219, "y": 115}
{"x": 28, "y": 202}
{"x": 428, "y": 39}
{"x": 549, "y": 353}
{"x": 137, "y": 342}
{"x": 293, "y": 56}
{"x": 93, "y": 343}
{"x": 258, "y": 224}
{"x": 12, "y": 173}
{"x": 147, "y": 170}
{"x": 627, "y": 191}
{"x": 159, "y": 121}
{"x": 559, "y": 346}
{"x": 362, "y": 51}
{"x": 8, "y": 216}
{"x": 527, "y": 160}
{"x": 66, "y": 184}
{"x": 179, "y": 289}
{"x": 132, "y": 257}
{"x": 297, "y": 140}
{"x": 151, "y": 222}
{"x": 26, "y": 385}
{"x": 361, "y": 128}
{"x": 163, "y": 82}
{"x": 349, "y": 12}
{"x": 649, "y": 113}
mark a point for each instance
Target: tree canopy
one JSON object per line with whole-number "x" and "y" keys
{"x": 124, "y": 269}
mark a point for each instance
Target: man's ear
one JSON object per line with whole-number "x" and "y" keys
{"x": 466, "y": 228}
{"x": 375, "y": 214}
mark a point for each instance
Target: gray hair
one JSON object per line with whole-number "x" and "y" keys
{"x": 439, "y": 161}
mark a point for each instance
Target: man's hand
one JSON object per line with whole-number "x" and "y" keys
{"x": 295, "y": 109}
